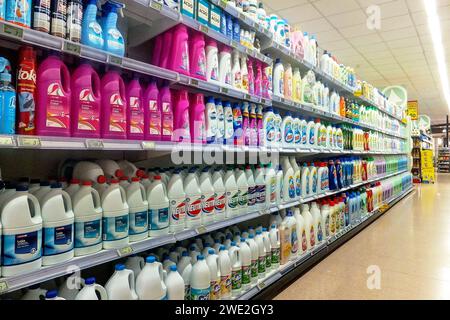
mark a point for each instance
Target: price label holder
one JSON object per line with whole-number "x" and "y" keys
{"x": 249, "y": 51}
{"x": 29, "y": 142}
{"x": 126, "y": 251}
{"x": 115, "y": 60}
{"x": 94, "y": 144}
{"x": 4, "y": 286}
{"x": 156, "y": 5}
{"x": 12, "y": 31}
{"x": 203, "y": 28}
{"x": 224, "y": 90}
{"x": 261, "y": 285}
{"x": 247, "y": 96}
{"x": 193, "y": 82}
{"x": 72, "y": 48}
{"x": 234, "y": 44}
{"x": 148, "y": 145}
{"x": 6, "y": 141}
{"x": 263, "y": 101}
{"x": 223, "y": 4}
{"x": 201, "y": 230}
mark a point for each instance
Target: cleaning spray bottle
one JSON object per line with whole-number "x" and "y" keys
{"x": 91, "y": 31}
{"x": 7, "y": 99}
{"x": 113, "y": 39}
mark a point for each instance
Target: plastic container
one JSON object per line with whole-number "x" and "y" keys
{"x": 92, "y": 291}
{"x": 121, "y": 284}
{"x": 138, "y": 206}
{"x": 197, "y": 56}
{"x": 158, "y": 210}
{"x": 114, "y": 107}
{"x": 200, "y": 280}
{"x": 179, "y": 55}
{"x": 150, "y": 281}
{"x": 135, "y": 111}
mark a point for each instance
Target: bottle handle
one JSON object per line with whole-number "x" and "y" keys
{"x": 101, "y": 291}
{"x": 131, "y": 280}
{"x": 123, "y": 193}
{"x": 65, "y": 78}
{"x": 36, "y": 206}
{"x": 141, "y": 262}
{"x": 67, "y": 201}
{"x": 96, "y": 198}
{"x": 143, "y": 192}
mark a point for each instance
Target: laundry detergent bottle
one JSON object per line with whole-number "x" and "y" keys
{"x": 86, "y": 102}
{"x": 91, "y": 31}
{"x": 92, "y": 291}
{"x": 197, "y": 119}
{"x": 165, "y": 101}
{"x": 179, "y": 56}
{"x": 181, "y": 122}
{"x": 197, "y": 55}
{"x": 135, "y": 111}
{"x": 54, "y": 98}
{"x": 152, "y": 113}
{"x": 150, "y": 281}
{"x": 114, "y": 106}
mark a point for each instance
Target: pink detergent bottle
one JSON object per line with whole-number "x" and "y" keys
{"x": 165, "y": 101}
{"x": 197, "y": 55}
{"x": 258, "y": 79}
{"x": 114, "y": 107}
{"x": 152, "y": 113}
{"x": 253, "y": 130}
{"x": 246, "y": 123}
{"x": 53, "y": 98}
{"x": 251, "y": 77}
{"x": 181, "y": 121}
{"x": 166, "y": 49}
{"x": 86, "y": 102}
{"x": 157, "y": 49}
{"x": 265, "y": 86}
{"x": 260, "y": 125}
{"x": 135, "y": 111}
{"x": 179, "y": 53}
{"x": 197, "y": 119}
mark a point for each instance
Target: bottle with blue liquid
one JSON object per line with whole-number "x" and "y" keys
{"x": 113, "y": 40}
{"x": 7, "y": 99}
{"x": 91, "y": 32}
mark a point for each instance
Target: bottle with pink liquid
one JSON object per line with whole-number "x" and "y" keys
{"x": 258, "y": 79}
{"x": 167, "y": 41}
{"x": 260, "y": 125}
{"x": 246, "y": 123}
{"x": 197, "y": 55}
{"x": 165, "y": 101}
{"x": 152, "y": 113}
{"x": 251, "y": 77}
{"x": 135, "y": 111}
{"x": 53, "y": 98}
{"x": 114, "y": 107}
{"x": 181, "y": 123}
{"x": 86, "y": 102}
{"x": 197, "y": 118}
{"x": 179, "y": 53}
{"x": 157, "y": 49}
{"x": 253, "y": 130}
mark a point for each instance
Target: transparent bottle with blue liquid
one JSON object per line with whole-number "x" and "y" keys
{"x": 7, "y": 99}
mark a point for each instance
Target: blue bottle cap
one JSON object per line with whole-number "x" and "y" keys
{"x": 211, "y": 251}
{"x": 120, "y": 267}
{"x": 222, "y": 248}
{"x": 233, "y": 244}
{"x": 185, "y": 254}
{"x": 150, "y": 259}
{"x": 51, "y": 294}
{"x": 89, "y": 281}
{"x": 173, "y": 267}
{"x": 200, "y": 257}
{"x": 21, "y": 188}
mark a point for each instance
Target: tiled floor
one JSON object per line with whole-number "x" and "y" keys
{"x": 409, "y": 245}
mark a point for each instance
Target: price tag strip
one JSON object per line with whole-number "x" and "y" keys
{"x": 29, "y": 142}
{"x": 12, "y": 31}
{"x": 125, "y": 251}
{"x": 148, "y": 145}
{"x": 6, "y": 141}
{"x": 94, "y": 144}
{"x": 73, "y": 48}
{"x": 4, "y": 287}
{"x": 156, "y": 5}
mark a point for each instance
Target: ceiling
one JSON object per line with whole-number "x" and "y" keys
{"x": 400, "y": 52}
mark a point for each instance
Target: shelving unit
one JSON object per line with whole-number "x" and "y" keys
{"x": 443, "y": 160}
{"x": 422, "y": 167}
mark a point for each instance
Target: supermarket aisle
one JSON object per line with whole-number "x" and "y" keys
{"x": 410, "y": 244}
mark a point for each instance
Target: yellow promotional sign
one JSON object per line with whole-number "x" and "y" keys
{"x": 413, "y": 110}
{"x": 427, "y": 171}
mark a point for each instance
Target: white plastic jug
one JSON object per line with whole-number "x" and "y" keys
{"x": 220, "y": 205}
{"x": 236, "y": 268}
{"x": 39, "y": 194}
{"x": 185, "y": 267}
{"x": 53, "y": 295}
{"x": 86, "y": 170}
{"x": 274, "y": 236}
{"x": 73, "y": 187}
{"x": 260, "y": 188}
{"x": 252, "y": 191}
{"x": 110, "y": 168}
{"x": 271, "y": 186}
{"x": 175, "y": 284}
{"x": 268, "y": 247}
{"x": 115, "y": 217}
{"x": 301, "y": 232}
{"x": 309, "y": 228}
{"x": 88, "y": 214}
{"x": 200, "y": 280}
{"x": 129, "y": 169}
{"x": 213, "y": 264}
{"x": 193, "y": 200}
{"x": 225, "y": 273}
{"x": 158, "y": 203}
{"x": 317, "y": 221}
{"x": 289, "y": 193}
{"x": 297, "y": 177}
{"x": 241, "y": 181}
{"x": 208, "y": 197}
{"x": 150, "y": 281}
{"x": 138, "y": 206}
{"x": 92, "y": 291}
{"x": 246, "y": 259}
{"x": 135, "y": 263}
{"x": 34, "y": 293}
{"x": 121, "y": 284}
{"x": 232, "y": 194}
{"x": 177, "y": 202}
{"x": 167, "y": 263}
{"x": 289, "y": 238}
{"x": 70, "y": 288}
{"x": 261, "y": 254}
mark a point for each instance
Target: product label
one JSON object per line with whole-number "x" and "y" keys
{"x": 117, "y": 120}
{"x": 246, "y": 274}
{"x": 225, "y": 285}
{"x": 220, "y": 203}
{"x": 74, "y": 19}
{"x": 304, "y": 241}
{"x": 89, "y": 113}
{"x": 324, "y": 181}
{"x": 187, "y": 7}
{"x": 319, "y": 232}
{"x": 202, "y": 12}
{"x": 236, "y": 279}
{"x": 184, "y": 57}
{"x": 268, "y": 260}
{"x": 136, "y": 115}
{"x": 58, "y": 240}
{"x": 194, "y": 208}
{"x": 158, "y": 218}
{"x": 243, "y": 199}
{"x": 298, "y": 185}
{"x": 312, "y": 137}
{"x": 291, "y": 186}
{"x": 288, "y": 133}
{"x": 214, "y": 290}
{"x": 254, "y": 268}
{"x": 199, "y": 294}
{"x": 88, "y": 233}
{"x": 312, "y": 236}
{"x": 58, "y": 110}
{"x": 297, "y": 135}
{"x": 327, "y": 226}
{"x": 115, "y": 228}
{"x": 26, "y": 94}
{"x": 167, "y": 120}
{"x": 333, "y": 224}
{"x": 273, "y": 189}
{"x": 275, "y": 255}
{"x": 314, "y": 182}
{"x": 271, "y": 132}
{"x": 138, "y": 222}
{"x": 177, "y": 210}
{"x": 22, "y": 248}
{"x": 261, "y": 264}
{"x": 95, "y": 34}
{"x": 233, "y": 200}
{"x": 294, "y": 241}
{"x": 261, "y": 194}
{"x": 208, "y": 203}
{"x": 252, "y": 196}
{"x": 201, "y": 64}
{"x": 187, "y": 292}
{"x": 154, "y": 127}
{"x": 304, "y": 135}
{"x": 41, "y": 15}
{"x": 215, "y": 20}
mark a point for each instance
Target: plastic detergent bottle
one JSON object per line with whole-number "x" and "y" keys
{"x": 288, "y": 82}
{"x": 269, "y": 128}
{"x": 121, "y": 284}
{"x": 225, "y": 77}
{"x": 34, "y": 293}
{"x": 165, "y": 102}
{"x": 288, "y": 238}
{"x": 175, "y": 284}
{"x": 258, "y": 89}
{"x": 181, "y": 121}
{"x": 54, "y": 98}
{"x": 289, "y": 193}
{"x": 110, "y": 168}
{"x": 212, "y": 61}
{"x": 228, "y": 123}
{"x": 278, "y": 122}
{"x": 220, "y": 195}
{"x": 152, "y": 113}
{"x": 252, "y": 192}
{"x": 313, "y": 187}
{"x": 114, "y": 106}
{"x": 197, "y": 55}
{"x": 193, "y": 200}
{"x": 236, "y": 75}
{"x": 113, "y": 39}
{"x": 225, "y": 268}
{"x": 72, "y": 188}
{"x": 184, "y": 267}
{"x": 268, "y": 248}
{"x": 305, "y": 178}
{"x": 260, "y": 188}
{"x": 115, "y": 216}
{"x": 261, "y": 254}
{"x": 177, "y": 202}
{"x": 135, "y": 111}
{"x": 7, "y": 99}
{"x": 278, "y": 79}
{"x": 208, "y": 197}
{"x": 138, "y": 206}
{"x": 213, "y": 264}
{"x": 253, "y": 126}
{"x": 241, "y": 181}
{"x": 44, "y": 188}
{"x": 274, "y": 237}
{"x": 310, "y": 227}
{"x": 297, "y": 177}
{"x": 135, "y": 263}
{"x": 245, "y": 123}
{"x": 254, "y": 251}
{"x": 231, "y": 188}
{"x": 179, "y": 55}
{"x": 279, "y": 185}
{"x": 150, "y": 283}
{"x": 200, "y": 280}
{"x": 210, "y": 120}
{"x": 246, "y": 259}
{"x": 287, "y": 131}
{"x": 158, "y": 214}
{"x": 87, "y": 211}
{"x": 322, "y": 178}
{"x": 21, "y": 224}
{"x": 197, "y": 119}
{"x": 220, "y": 120}
{"x": 92, "y": 291}
{"x": 301, "y": 232}
{"x": 238, "y": 124}
{"x": 91, "y": 31}
{"x": 236, "y": 268}
{"x": 58, "y": 219}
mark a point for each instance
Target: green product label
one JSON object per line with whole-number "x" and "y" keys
{"x": 246, "y": 274}
{"x": 275, "y": 255}
{"x": 236, "y": 279}
{"x": 254, "y": 271}
{"x": 262, "y": 264}
{"x": 268, "y": 261}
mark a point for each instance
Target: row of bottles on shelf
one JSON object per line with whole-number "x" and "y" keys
{"x": 54, "y": 225}
{"x": 226, "y": 263}
{"x": 368, "y": 91}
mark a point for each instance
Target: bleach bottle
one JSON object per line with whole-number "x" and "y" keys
{"x": 185, "y": 267}
{"x": 246, "y": 256}
{"x": 212, "y": 260}
{"x": 231, "y": 188}
{"x": 225, "y": 273}
{"x": 158, "y": 213}
{"x": 200, "y": 280}
{"x": 197, "y": 56}
{"x": 238, "y": 124}
{"x": 175, "y": 284}
{"x": 135, "y": 263}
{"x": 181, "y": 120}
{"x": 220, "y": 132}
{"x": 211, "y": 120}
{"x": 113, "y": 40}
{"x": 208, "y": 197}
{"x": 193, "y": 200}
{"x": 86, "y": 102}
{"x": 236, "y": 268}
{"x": 21, "y": 233}
{"x": 274, "y": 236}
{"x": 88, "y": 220}
{"x": 152, "y": 113}
{"x": 138, "y": 206}
{"x": 179, "y": 55}
{"x": 121, "y": 284}
{"x": 242, "y": 184}
{"x": 197, "y": 119}
{"x": 91, "y": 31}
{"x": 228, "y": 123}
{"x": 245, "y": 123}
{"x": 34, "y": 293}
{"x": 58, "y": 219}
{"x": 110, "y": 168}
{"x": 135, "y": 111}
{"x": 220, "y": 195}
{"x": 150, "y": 281}
{"x": 114, "y": 106}
{"x": 177, "y": 202}
{"x": 92, "y": 291}
{"x": 115, "y": 216}
{"x": 165, "y": 102}
{"x": 54, "y": 98}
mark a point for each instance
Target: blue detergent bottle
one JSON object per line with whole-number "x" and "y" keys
{"x": 7, "y": 99}
{"x": 114, "y": 41}
{"x": 91, "y": 30}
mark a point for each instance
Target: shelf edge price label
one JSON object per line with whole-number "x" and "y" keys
{"x": 4, "y": 286}
{"x": 223, "y": 4}
{"x": 94, "y": 144}
{"x": 147, "y": 145}
{"x": 247, "y": 96}
{"x": 12, "y": 31}
{"x": 201, "y": 230}
{"x": 72, "y": 48}
{"x": 261, "y": 285}
{"x": 249, "y": 51}
{"x": 6, "y": 141}
{"x": 156, "y": 5}
{"x": 193, "y": 82}
{"x": 263, "y": 101}
{"x": 234, "y": 44}
{"x": 115, "y": 60}
{"x": 126, "y": 251}
{"x": 203, "y": 28}
{"x": 30, "y": 142}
